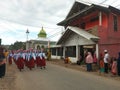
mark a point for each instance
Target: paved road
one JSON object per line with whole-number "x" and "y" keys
{"x": 60, "y": 78}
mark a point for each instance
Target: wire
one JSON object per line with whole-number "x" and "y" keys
{"x": 37, "y": 26}
{"x": 103, "y": 1}
{"x": 55, "y": 34}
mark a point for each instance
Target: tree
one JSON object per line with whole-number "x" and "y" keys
{"x": 17, "y": 45}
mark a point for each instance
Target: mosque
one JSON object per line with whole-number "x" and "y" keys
{"x": 41, "y": 42}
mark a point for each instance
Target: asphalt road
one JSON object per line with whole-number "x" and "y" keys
{"x": 60, "y": 78}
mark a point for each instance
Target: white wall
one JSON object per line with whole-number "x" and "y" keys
{"x": 75, "y": 39}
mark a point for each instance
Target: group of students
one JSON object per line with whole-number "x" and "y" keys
{"x": 29, "y": 58}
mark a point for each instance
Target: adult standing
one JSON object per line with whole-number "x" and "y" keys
{"x": 2, "y": 63}
{"x": 118, "y": 64}
{"x": 89, "y": 61}
{"x": 48, "y": 55}
{"x": 106, "y": 60}
{"x": 6, "y": 54}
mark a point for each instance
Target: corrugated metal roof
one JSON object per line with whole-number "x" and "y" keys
{"x": 82, "y": 32}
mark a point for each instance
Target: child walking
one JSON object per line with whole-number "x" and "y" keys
{"x": 101, "y": 66}
{"x": 114, "y": 67}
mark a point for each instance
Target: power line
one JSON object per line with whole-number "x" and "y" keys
{"x": 114, "y": 1}
{"x": 103, "y": 1}
{"x": 24, "y": 24}
{"x": 55, "y": 34}
{"x": 94, "y": 2}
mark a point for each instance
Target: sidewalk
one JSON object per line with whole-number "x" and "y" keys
{"x": 83, "y": 69}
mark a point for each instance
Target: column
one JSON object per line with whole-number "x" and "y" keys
{"x": 100, "y": 18}
{"x": 64, "y": 51}
{"x": 97, "y": 51}
{"x": 77, "y": 52}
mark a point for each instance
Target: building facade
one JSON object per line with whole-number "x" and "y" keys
{"x": 90, "y": 27}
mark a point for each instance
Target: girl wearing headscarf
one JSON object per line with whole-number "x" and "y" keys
{"x": 114, "y": 67}
{"x": 89, "y": 61}
{"x": 10, "y": 57}
{"x": 43, "y": 59}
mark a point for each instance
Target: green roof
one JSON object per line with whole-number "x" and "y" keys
{"x": 42, "y": 33}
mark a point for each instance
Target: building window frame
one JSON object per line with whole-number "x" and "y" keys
{"x": 115, "y": 22}
{"x": 70, "y": 51}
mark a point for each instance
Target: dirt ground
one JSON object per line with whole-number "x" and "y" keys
{"x": 83, "y": 68}
{"x": 8, "y": 82}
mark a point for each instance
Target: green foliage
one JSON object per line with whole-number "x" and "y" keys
{"x": 17, "y": 45}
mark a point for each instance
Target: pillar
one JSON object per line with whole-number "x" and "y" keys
{"x": 97, "y": 51}
{"x": 100, "y": 18}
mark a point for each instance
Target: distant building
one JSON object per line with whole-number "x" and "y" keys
{"x": 90, "y": 27}
{"x": 41, "y": 42}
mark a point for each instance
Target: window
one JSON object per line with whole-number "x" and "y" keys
{"x": 82, "y": 25}
{"x": 53, "y": 50}
{"x": 60, "y": 51}
{"x": 94, "y": 19}
{"x": 115, "y": 23}
{"x": 70, "y": 51}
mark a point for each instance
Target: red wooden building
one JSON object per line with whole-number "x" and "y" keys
{"x": 100, "y": 21}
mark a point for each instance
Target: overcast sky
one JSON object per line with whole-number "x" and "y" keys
{"x": 16, "y": 16}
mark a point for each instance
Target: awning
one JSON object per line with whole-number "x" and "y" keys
{"x": 81, "y": 32}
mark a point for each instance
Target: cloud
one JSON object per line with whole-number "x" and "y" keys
{"x": 33, "y": 12}
{"x": 16, "y": 16}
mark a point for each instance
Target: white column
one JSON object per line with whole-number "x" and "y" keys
{"x": 56, "y": 53}
{"x": 97, "y": 51}
{"x": 100, "y": 18}
{"x": 64, "y": 52}
{"x": 77, "y": 52}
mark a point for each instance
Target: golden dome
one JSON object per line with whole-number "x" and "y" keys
{"x": 42, "y": 33}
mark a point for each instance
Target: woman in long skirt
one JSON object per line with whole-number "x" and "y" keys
{"x": 2, "y": 68}
{"x": 20, "y": 63}
{"x": 10, "y": 58}
{"x": 2, "y": 63}
{"x": 114, "y": 67}
{"x": 43, "y": 60}
{"x": 31, "y": 62}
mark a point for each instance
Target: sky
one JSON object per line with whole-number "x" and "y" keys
{"x": 16, "y": 16}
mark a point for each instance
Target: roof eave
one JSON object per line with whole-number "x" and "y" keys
{"x": 101, "y": 8}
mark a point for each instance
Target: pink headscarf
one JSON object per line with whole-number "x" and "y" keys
{"x": 89, "y": 58}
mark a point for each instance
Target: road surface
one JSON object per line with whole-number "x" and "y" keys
{"x": 56, "y": 77}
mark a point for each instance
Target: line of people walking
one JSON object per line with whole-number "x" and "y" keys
{"x": 29, "y": 58}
